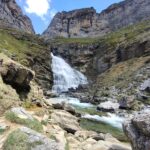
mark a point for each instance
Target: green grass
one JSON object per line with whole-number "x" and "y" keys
{"x": 88, "y": 110}
{"x": 2, "y": 131}
{"x": 53, "y": 137}
{"x": 8, "y": 97}
{"x": 33, "y": 124}
{"x": 61, "y": 40}
{"x": 20, "y": 49}
{"x": 67, "y": 146}
{"x": 18, "y": 140}
{"x": 102, "y": 128}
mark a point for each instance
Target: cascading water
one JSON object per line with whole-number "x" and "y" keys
{"x": 64, "y": 76}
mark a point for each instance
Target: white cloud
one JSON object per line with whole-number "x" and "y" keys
{"x": 38, "y": 7}
{"x": 52, "y": 13}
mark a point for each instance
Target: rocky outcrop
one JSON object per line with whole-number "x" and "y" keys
{"x": 137, "y": 130}
{"x": 16, "y": 75}
{"x": 87, "y": 23}
{"x": 12, "y": 16}
{"x": 76, "y": 23}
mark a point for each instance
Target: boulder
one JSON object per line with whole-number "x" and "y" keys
{"x": 108, "y": 106}
{"x": 67, "y": 121}
{"x": 25, "y": 138}
{"x": 137, "y": 130}
{"x": 68, "y": 108}
{"x": 16, "y": 75}
{"x": 57, "y": 106}
{"x": 126, "y": 102}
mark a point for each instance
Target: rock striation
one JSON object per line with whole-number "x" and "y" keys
{"x": 138, "y": 131}
{"x": 88, "y": 23}
{"x": 12, "y": 16}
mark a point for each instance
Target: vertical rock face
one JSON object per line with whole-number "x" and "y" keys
{"x": 126, "y": 13}
{"x": 11, "y": 16}
{"x": 76, "y": 23}
{"x": 87, "y": 23}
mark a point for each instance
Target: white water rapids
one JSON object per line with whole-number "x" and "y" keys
{"x": 64, "y": 76}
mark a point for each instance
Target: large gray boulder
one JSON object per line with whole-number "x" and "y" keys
{"x": 137, "y": 130}
{"x": 66, "y": 121}
{"x": 108, "y": 106}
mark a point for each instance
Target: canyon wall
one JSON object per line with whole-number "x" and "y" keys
{"x": 87, "y": 23}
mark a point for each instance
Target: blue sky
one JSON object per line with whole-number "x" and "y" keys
{"x": 41, "y": 12}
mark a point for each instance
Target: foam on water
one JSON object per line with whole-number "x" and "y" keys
{"x": 111, "y": 119}
{"x": 72, "y": 101}
{"x": 65, "y": 77}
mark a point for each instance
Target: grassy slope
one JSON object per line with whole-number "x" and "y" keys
{"x": 20, "y": 45}
{"x": 29, "y": 50}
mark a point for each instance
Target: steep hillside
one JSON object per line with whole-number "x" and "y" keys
{"x": 12, "y": 16}
{"x": 29, "y": 50}
{"x": 87, "y": 23}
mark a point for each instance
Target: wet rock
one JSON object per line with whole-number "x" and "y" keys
{"x": 137, "y": 130}
{"x": 108, "y": 106}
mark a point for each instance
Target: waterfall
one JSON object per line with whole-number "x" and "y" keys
{"x": 65, "y": 77}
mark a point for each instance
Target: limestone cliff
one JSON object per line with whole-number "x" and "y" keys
{"x": 87, "y": 23}
{"x": 12, "y": 16}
